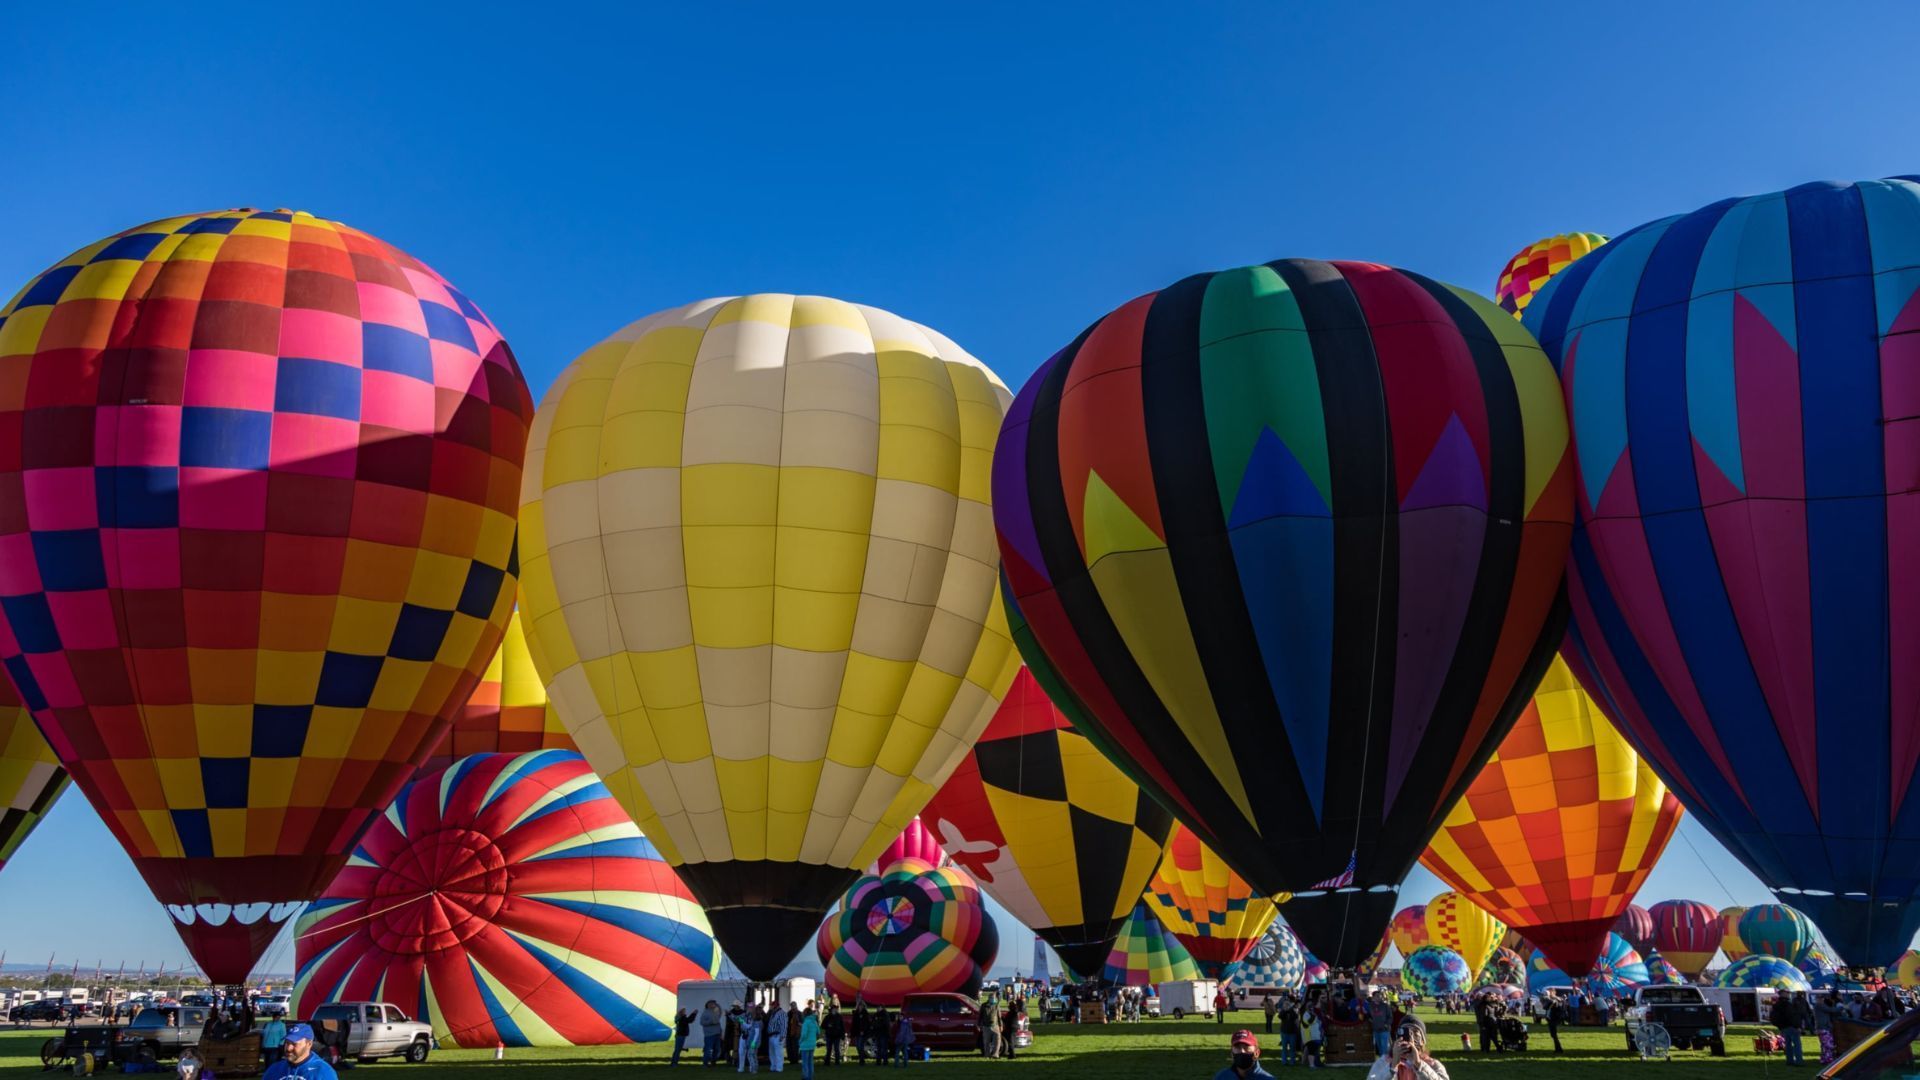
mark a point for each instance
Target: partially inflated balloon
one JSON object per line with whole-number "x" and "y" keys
{"x": 507, "y": 899}
{"x": 30, "y": 776}
{"x": 1906, "y": 971}
{"x": 1775, "y": 930}
{"x": 1459, "y": 924}
{"x": 760, "y": 579}
{"x": 1759, "y": 969}
{"x": 1146, "y": 954}
{"x": 1409, "y": 929}
{"x": 1210, "y": 909}
{"x": 1687, "y": 933}
{"x": 1660, "y": 972}
{"x": 915, "y": 929}
{"x": 1730, "y": 942}
{"x": 1434, "y": 970}
{"x": 1291, "y": 536}
{"x": 508, "y": 711}
{"x": 1739, "y": 382}
{"x": 916, "y": 841}
{"x": 1050, "y": 828}
{"x": 1821, "y": 972}
{"x": 260, "y": 476}
{"x": 1616, "y": 971}
{"x": 1527, "y": 272}
{"x": 1559, "y": 831}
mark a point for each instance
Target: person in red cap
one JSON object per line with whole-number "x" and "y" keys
{"x": 1246, "y": 1058}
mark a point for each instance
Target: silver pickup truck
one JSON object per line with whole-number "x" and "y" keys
{"x": 376, "y": 1029}
{"x": 165, "y": 1030}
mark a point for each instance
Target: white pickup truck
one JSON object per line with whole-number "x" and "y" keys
{"x": 376, "y": 1029}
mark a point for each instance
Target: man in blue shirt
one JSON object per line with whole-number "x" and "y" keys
{"x": 1246, "y": 1058}
{"x": 299, "y": 1062}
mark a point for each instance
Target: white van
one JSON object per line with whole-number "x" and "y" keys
{"x": 1187, "y": 997}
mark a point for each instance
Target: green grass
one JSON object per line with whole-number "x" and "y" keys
{"x": 1153, "y": 1050}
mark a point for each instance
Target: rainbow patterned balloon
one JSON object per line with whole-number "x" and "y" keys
{"x": 1617, "y": 970}
{"x": 1276, "y": 962}
{"x": 917, "y": 928}
{"x": 30, "y": 776}
{"x": 508, "y": 711}
{"x": 264, "y": 471}
{"x": 1146, "y": 953}
{"x": 1662, "y": 973}
{"x": 1433, "y": 970}
{"x": 1531, "y": 266}
{"x": 508, "y": 899}
{"x": 1760, "y": 969}
{"x": 916, "y": 841}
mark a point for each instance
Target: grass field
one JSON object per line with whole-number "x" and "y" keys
{"x": 1154, "y": 1050}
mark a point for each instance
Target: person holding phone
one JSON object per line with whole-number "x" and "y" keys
{"x": 1407, "y": 1058}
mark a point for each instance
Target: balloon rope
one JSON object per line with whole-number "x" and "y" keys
{"x": 1682, "y": 833}
{"x": 331, "y": 927}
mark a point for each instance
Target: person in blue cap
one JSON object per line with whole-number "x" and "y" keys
{"x": 298, "y": 1060}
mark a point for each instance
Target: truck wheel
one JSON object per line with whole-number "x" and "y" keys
{"x": 1718, "y": 1047}
{"x": 1179, "y": 1013}
{"x": 417, "y": 1052}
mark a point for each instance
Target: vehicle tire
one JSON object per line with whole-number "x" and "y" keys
{"x": 365, "y": 1060}
{"x": 1178, "y": 1013}
{"x": 52, "y": 1052}
{"x": 417, "y": 1052}
{"x": 1718, "y": 1047}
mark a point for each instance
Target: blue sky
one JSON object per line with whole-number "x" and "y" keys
{"x": 1007, "y": 178}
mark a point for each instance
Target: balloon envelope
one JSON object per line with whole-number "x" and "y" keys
{"x": 1527, "y": 272}
{"x": 1737, "y": 381}
{"x": 1661, "y": 972}
{"x": 1616, "y": 971}
{"x": 1760, "y": 969}
{"x": 1050, "y": 828}
{"x": 1775, "y": 930}
{"x": 1465, "y": 927}
{"x": 1208, "y": 908}
{"x": 1730, "y": 942}
{"x": 1687, "y": 933}
{"x": 1559, "y": 831}
{"x": 30, "y": 775}
{"x": 1145, "y": 953}
{"x": 1275, "y": 962}
{"x": 1636, "y": 925}
{"x": 262, "y": 471}
{"x": 760, "y": 580}
{"x": 1409, "y": 929}
{"x": 508, "y": 711}
{"x": 508, "y": 899}
{"x": 1224, "y": 508}
{"x": 915, "y": 841}
{"x": 1433, "y": 970}
{"x": 915, "y": 929}
{"x": 1906, "y": 971}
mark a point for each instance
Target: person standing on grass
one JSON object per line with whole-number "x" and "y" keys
{"x": 273, "y": 1036}
{"x": 711, "y": 1023}
{"x": 862, "y": 1027}
{"x": 834, "y": 1030}
{"x": 1246, "y": 1058}
{"x": 1289, "y": 1017}
{"x": 750, "y": 1028}
{"x": 1380, "y": 1019}
{"x": 793, "y": 1031}
{"x": 1315, "y": 1032}
{"x": 1556, "y": 1015}
{"x": 990, "y": 1028}
{"x": 903, "y": 1039}
{"x": 809, "y": 1038}
{"x": 776, "y": 1037}
{"x": 682, "y": 1026}
{"x": 1009, "y": 1026}
{"x": 1220, "y": 1001}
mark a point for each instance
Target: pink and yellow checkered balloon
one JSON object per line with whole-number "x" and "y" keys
{"x": 1527, "y": 272}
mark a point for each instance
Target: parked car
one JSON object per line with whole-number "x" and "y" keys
{"x": 1056, "y": 1009}
{"x": 49, "y": 1009}
{"x": 1684, "y": 1011}
{"x": 944, "y": 1021}
{"x": 376, "y": 1029}
{"x": 271, "y": 1005}
{"x": 166, "y": 1031}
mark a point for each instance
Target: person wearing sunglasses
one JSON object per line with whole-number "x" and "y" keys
{"x": 1407, "y": 1058}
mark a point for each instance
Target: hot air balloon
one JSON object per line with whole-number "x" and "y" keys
{"x": 263, "y": 471}
{"x": 1821, "y": 972}
{"x": 1209, "y": 909}
{"x": 1367, "y": 968}
{"x": 1686, "y": 933}
{"x": 1465, "y": 927}
{"x": 1906, "y": 971}
{"x": 1050, "y": 828}
{"x": 507, "y": 713}
{"x": 1276, "y": 962}
{"x": 1527, "y": 272}
{"x": 1145, "y": 953}
{"x": 1434, "y": 970}
{"x": 508, "y": 900}
{"x": 1559, "y": 831}
{"x": 1775, "y": 930}
{"x": 760, "y": 585}
{"x": 915, "y": 841}
{"x": 1225, "y": 508}
{"x": 1730, "y": 942}
{"x": 1660, "y": 972}
{"x": 1636, "y": 925}
{"x": 916, "y": 929}
{"x": 1409, "y": 929}
{"x": 1316, "y": 971}
{"x": 1760, "y": 969}
{"x": 1737, "y": 384}
{"x": 1505, "y": 966}
{"x": 1542, "y": 975}
{"x": 30, "y": 776}
{"x": 1616, "y": 971}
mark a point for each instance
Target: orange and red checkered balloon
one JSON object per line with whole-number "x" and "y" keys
{"x": 259, "y": 474}
{"x": 1531, "y": 266}
{"x": 1560, "y": 829}
{"x": 1208, "y": 908}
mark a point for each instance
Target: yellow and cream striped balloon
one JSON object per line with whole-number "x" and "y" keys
{"x": 759, "y": 574}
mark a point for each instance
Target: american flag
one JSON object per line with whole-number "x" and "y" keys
{"x": 1344, "y": 878}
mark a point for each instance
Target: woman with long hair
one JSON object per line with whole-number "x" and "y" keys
{"x": 1407, "y": 1058}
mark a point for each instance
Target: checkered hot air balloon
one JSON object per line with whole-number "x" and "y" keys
{"x": 1205, "y": 905}
{"x": 1146, "y": 953}
{"x": 1225, "y": 508}
{"x": 508, "y": 899}
{"x": 1527, "y": 272}
{"x": 1434, "y": 970}
{"x": 1409, "y": 929}
{"x": 508, "y": 711}
{"x": 915, "y": 929}
{"x": 1050, "y": 828}
{"x": 1760, "y": 969}
{"x": 1471, "y": 931}
{"x": 1277, "y": 961}
{"x": 1559, "y": 831}
{"x": 263, "y": 471}
{"x": 30, "y": 775}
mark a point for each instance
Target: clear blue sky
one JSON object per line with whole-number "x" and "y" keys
{"x": 1006, "y": 174}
